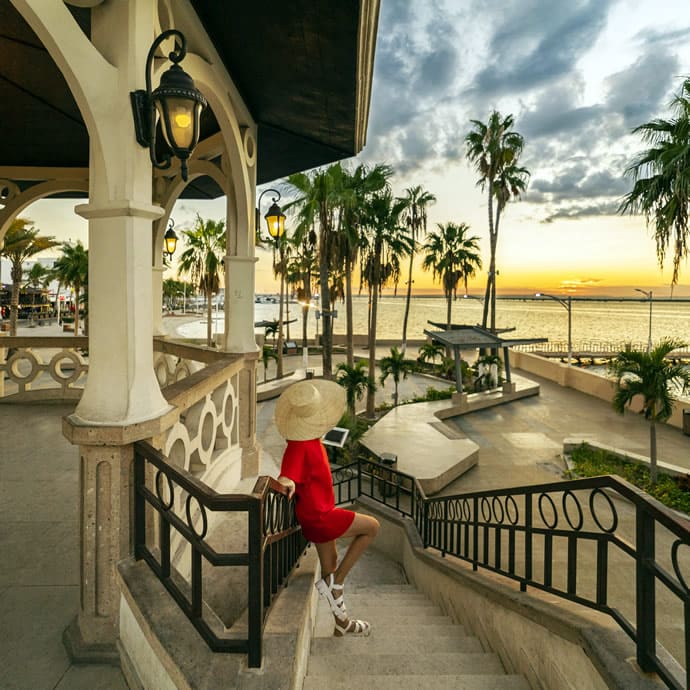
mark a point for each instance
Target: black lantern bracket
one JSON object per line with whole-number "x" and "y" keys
{"x": 275, "y": 218}
{"x": 175, "y": 85}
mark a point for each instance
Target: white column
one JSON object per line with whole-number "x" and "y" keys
{"x": 239, "y": 277}
{"x": 239, "y": 304}
{"x": 121, "y": 388}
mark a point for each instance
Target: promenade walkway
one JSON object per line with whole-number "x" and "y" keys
{"x": 520, "y": 443}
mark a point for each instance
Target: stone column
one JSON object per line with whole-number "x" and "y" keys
{"x": 239, "y": 320}
{"x": 105, "y": 517}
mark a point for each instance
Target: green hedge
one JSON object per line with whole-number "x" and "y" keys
{"x": 671, "y": 491}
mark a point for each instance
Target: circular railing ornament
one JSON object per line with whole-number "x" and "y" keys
{"x": 159, "y": 490}
{"x": 595, "y": 517}
{"x": 190, "y": 521}
{"x": 542, "y": 497}
{"x": 577, "y": 526}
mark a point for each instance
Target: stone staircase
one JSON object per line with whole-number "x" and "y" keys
{"x": 412, "y": 645}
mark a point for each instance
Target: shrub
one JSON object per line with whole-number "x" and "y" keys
{"x": 592, "y": 462}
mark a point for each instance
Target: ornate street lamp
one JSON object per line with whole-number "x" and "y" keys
{"x": 275, "y": 222}
{"x": 176, "y": 103}
{"x": 275, "y": 218}
{"x": 170, "y": 240}
{"x": 648, "y": 294}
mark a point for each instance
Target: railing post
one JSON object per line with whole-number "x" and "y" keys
{"x": 646, "y": 598}
{"x": 359, "y": 476}
{"x": 528, "y": 542}
{"x": 255, "y": 583}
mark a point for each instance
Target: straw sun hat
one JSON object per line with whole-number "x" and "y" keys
{"x": 308, "y": 409}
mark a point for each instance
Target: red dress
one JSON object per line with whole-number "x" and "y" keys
{"x": 306, "y": 463}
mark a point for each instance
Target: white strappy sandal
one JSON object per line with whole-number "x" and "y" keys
{"x": 327, "y": 587}
{"x": 352, "y": 628}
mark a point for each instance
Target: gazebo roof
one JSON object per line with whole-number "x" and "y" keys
{"x": 299, "y": 66}
{"x": 465, "y": 337}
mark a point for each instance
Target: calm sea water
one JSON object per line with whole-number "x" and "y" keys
{"x": 592, "y": 322}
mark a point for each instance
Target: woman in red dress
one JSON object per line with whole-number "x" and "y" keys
{"x": 304, "y": 413}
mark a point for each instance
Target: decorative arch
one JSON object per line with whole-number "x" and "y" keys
{"x": 16, "y": 202}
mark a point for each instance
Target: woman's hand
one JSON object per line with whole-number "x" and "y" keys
{"x": 288, "y": 484}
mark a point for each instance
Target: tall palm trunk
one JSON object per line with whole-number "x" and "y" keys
{"x": 326, "y": 335}
{"x": 371, "y": 394}
{"x": 652, "y": 452}
{"x": 349, "y": 326}
{"x": 487, "y": 293}
{"x": 407, "y": 306}
{"x": 209, "y": 317}
{"x": 16, "y": 273}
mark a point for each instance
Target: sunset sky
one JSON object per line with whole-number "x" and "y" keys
{"x": 576, "y": 75}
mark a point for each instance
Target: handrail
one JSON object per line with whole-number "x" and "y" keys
{"x": 274, "y": 538}
{"x": 536, "y": 535}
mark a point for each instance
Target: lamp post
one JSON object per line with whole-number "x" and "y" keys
{"x": 648, "y": 295}
{"x": 178, "y": 105}
{"x": 567, "y": 304}
{"x": 275, "y": 222}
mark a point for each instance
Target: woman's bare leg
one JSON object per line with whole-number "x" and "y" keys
{"x": 362, "y": 530}
{"x": 328, "y": 557}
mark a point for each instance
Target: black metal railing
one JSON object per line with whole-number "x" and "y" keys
{"x": 574, "y": 539}
{"x": 273, "y": 536}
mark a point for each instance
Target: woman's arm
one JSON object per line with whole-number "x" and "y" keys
{"x": 288, "y": 484}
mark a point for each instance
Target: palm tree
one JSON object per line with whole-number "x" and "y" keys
{"x": 397, "y": 366}
{"x": 37, "y": 276}
{"x": 414, "y": 216}
{"x": 355, "y": 380}
{"x": 316, "y": 202}
{"x": 661, "y": 177}
{"x": 21, "y": 242}
{"x": 267, "y": 354}
{"x": 494, "y": 149}
{"x": 656, "y": 380}
{"x": 172, "y": 290}
{"x": 203, "y": 261}
{"x": 452, "y": 256}
{"x": 355, "y": 189}
{"x": 385, "y": 243}
{"x": 430, "y": 351}
{"x": 72, "y": 269}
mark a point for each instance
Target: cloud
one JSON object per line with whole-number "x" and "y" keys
{"x": 638, "y": 92}
{"x": 535, "y": 45}
{"x": 587, "y": 210}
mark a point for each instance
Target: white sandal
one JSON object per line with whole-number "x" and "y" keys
{"x": 326, "y": 588}
{"x": 361, "y": 628}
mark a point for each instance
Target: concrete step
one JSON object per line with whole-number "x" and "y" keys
{"x": 386, "y": 599}
{"x": 438, "y": 631}
{"x": 373, "y": 589}
{"x": 374, "y": 610}
{"x": 385, "y": 642}
{"x": 363, "y": 664}
{"x": 430, "y": 682}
